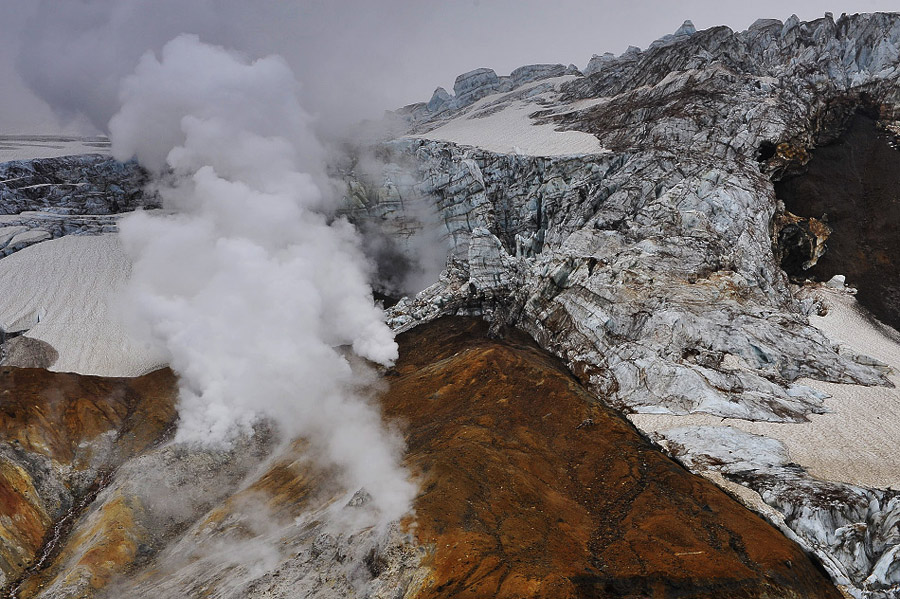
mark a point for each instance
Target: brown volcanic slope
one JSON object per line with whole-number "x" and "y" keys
{"x": 532, "y": 489}
{"x": 61, "y": 435}
{"x": 529, "y": 487}
{"x": 53, "y": 413}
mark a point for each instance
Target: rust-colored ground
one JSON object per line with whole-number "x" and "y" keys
{"x": 61, "y": 417}
{"x": 53, "y": 413}
{"x": 531, "y": 489}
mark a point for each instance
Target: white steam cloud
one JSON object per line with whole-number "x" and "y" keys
{"x": 257, "y": 294}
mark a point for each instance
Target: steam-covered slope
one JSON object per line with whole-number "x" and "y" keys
{"x": 61, "y": 438}
{"x": 653, "y": 269}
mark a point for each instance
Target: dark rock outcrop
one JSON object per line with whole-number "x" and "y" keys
{"x": 852, "y": 184}
{"x": 26, "y": 352}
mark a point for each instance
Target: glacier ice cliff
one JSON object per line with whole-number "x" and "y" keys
{"x": 47, "y": 198}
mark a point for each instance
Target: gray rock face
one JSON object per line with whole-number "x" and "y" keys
{"x": 595, "y": 64}
{"x": 86, "y": 184}
{"x": 548, "y": 241}
{"x": 25, "y": 352}
{"x": 652, "y": 270}
{"x": 686, "y": 30}
{"x": 439, "y": 100}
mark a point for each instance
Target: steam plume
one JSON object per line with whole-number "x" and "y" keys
{"x": 246, "y": 281}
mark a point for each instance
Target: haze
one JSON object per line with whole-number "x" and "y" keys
{"x": 61, "y": 62}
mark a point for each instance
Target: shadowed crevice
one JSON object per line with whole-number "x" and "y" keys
{"x": 853, "y": 186}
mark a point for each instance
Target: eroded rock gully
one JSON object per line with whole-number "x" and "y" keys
{"x": 61, "y": 435}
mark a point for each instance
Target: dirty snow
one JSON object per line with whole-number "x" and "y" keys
{"x": 512, "y": 131}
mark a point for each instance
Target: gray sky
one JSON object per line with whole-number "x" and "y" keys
{"x": 354, "y": 58}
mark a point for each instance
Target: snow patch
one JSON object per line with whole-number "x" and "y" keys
{"x": 512, "y": 131}
{"x": 502, "y": 123}
{"x": 61, "y": 292}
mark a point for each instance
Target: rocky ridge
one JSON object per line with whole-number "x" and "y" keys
{"x": 476, "y": 84}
